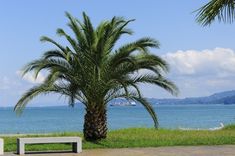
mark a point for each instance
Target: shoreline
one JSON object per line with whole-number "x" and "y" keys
{"x": 59, "y": 133}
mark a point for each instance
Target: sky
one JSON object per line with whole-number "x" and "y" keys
{"x": 202, "y": 59}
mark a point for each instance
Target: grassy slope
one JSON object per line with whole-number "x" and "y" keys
{"x": 139, "y": 137}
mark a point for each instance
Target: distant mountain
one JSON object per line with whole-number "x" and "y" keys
{"x": 227, "y": 97}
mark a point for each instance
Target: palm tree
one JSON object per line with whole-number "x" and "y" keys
{"x": 90, "y": 70}
{"x": 224, "y": 10}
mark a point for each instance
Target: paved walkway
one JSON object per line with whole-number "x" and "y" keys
{"x": 225, "y": 150}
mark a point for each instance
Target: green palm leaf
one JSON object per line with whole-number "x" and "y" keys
{"x": 224, "y": 10}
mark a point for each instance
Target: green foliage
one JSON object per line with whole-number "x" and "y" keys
{"x": 224, "y": 10}
{"x": 136, "y": 137}
{"x": 90, "y": 70}
{"x": 229, "y": 127}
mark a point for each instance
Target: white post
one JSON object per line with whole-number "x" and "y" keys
{"x": 1, "y": 146}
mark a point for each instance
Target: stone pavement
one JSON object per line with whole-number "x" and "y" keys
{"x": 223, "y": 150}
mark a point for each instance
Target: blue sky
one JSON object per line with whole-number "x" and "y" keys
{"x": 201, "y": 58}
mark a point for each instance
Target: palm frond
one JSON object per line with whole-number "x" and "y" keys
{"x": 159, "y": 81}
{"x": 149, "y": 108}
{"x": 224, "y": 10}
{"x": 29, "y": 95}
{"x": 47, "y": 39}
{"x": 135, "y": 97}
{"x": 126, "y": 50}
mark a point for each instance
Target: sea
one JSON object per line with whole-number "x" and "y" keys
{"x": 68, "y": 119}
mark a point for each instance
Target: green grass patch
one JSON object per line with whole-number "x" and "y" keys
{"x": 229, "y": 127}
{"x": 137, "y": 137}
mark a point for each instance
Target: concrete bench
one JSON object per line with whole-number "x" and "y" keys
{"x": 76, "y": 142}
{"x": 1, "y": 146}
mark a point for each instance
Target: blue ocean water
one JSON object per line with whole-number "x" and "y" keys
{"x": 61, "y": 119}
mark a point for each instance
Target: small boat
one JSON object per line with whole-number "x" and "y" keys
{"x": 123, "y": 104}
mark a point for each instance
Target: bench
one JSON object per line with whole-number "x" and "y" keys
{"x": 76, "y": 142}
{"x": 1, "y": 146}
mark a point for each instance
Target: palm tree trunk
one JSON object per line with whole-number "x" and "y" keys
{"x": 95, "y": 123}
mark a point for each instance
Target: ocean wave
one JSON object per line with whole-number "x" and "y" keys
{"x": 211, "y": 129}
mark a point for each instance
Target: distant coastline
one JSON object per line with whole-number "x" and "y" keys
{"x": 223, "y": 98}
{"x": 226, "y": 98}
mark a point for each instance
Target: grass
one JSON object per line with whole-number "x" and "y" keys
{"x": 137, "y": 137}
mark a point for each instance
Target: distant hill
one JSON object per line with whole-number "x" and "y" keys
{"x": 227, "y": 97}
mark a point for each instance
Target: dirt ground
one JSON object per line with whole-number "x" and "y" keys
{"x": 224, "y": 150}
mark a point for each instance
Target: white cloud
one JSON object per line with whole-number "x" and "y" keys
{"x": 5, "y": 83}
{"x": 12, "y": 87}
{"x": 219, "y": 62}
{"x": 199, "y": 73}
{"x": 30, "y": 77}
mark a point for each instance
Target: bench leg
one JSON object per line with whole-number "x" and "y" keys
{"x": 20, "y": 148}
{"x": 77, "y": 147}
